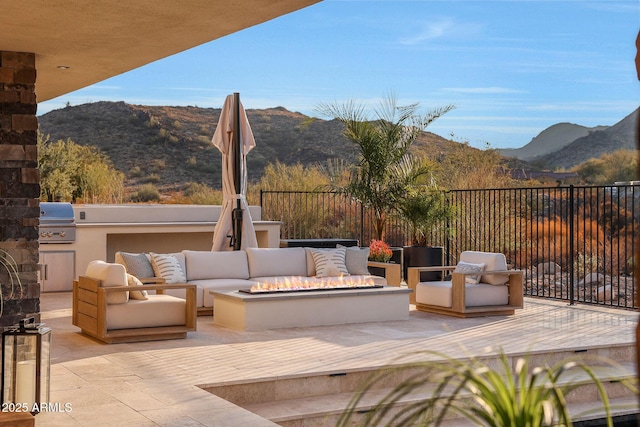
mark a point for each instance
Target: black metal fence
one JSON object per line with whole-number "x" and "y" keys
{"x": 574, "y": 243}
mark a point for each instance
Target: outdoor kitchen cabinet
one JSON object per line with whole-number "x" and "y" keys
{"x": 57, "y": 271}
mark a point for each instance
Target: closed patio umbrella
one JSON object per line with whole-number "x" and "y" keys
{"x": 234, "y": 139}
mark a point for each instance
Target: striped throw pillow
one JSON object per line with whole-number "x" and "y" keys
{"x": 168, "y": 267}
{"x": 330, "y": 262}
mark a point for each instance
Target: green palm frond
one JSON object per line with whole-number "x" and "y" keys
{"x": 488, "y": 393}
{"x": 380, "y": 178}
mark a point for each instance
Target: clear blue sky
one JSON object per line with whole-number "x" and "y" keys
{"x": 511, "y": 68}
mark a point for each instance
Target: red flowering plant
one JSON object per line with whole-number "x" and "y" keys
{"x": 379, "y": 251}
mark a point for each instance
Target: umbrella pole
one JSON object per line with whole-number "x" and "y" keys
{"x": 236, "y": 239}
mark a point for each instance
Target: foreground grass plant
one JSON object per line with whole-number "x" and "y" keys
{"x": 501, "y": 396}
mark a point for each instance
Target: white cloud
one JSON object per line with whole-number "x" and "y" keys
{"x": 431, "y": 31}
{"x": 483, "y": 90}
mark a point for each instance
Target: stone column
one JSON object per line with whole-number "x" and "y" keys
{"x": 19, "y": 187}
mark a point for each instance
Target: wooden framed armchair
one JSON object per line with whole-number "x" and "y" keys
{"x": 103, "y": 309}
{"x": 480, "y": 285}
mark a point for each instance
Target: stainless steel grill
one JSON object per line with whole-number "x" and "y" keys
{"x": 57, "y": 223}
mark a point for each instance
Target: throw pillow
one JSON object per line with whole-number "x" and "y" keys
{"x": 168, "y": 267}
{"x": 137, "y": 264}
{"x": 467, "y": 267}
{"x": 133, "y": 281}
{"x": 356, "y": 259}
{"x": 330, "y": 262}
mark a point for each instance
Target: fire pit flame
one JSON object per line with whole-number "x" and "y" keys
{"x": 312, "y": 284}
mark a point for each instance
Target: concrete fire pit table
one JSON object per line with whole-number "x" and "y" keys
{"x": 257, "y": 312}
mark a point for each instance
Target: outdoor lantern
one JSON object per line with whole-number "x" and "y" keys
{"x": 26, "y": 366}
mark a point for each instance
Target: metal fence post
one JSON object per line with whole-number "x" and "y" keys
{"x": 362, "y": 225}
{"x": 571, "y": 246}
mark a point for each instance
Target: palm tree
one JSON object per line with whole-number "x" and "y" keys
{"x": 380, "y": 179}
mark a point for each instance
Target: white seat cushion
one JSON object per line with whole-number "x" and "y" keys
{"x": 157, "y": 310}
{"x": 476, "y": 294}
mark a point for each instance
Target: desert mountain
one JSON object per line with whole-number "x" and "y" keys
{"x": 171, "y": 146}
{"x": 622, "y": 135}
{"x": 549, "y": 140}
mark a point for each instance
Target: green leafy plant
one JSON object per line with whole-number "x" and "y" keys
{"x": 378, "y": 181}
{"x": 10, "y": 266}
{"x": 484, "y": 392}
{"x": 424, "y": 208}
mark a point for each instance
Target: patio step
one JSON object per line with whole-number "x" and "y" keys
{"x": 318, "y": 400}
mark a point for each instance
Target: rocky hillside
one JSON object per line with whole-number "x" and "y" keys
{"x": 171, "y": 146}
{"x": 565, "y": 145}
{"x": 616, "y": 137}
{"x": 550, "y": 140}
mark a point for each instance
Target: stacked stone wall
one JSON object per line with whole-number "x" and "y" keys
{"x": 19, "y": 187}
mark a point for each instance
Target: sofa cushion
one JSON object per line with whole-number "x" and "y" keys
{"x": 157, "y": 310}
{"x": 356, "y": 259}
{"x": 330, "y": 262}
{"x": 168, "y": 267}
{"x": 216, "y": 265}
{"x": 493, "y": 261}
{"x": 205, "y": 285}
{"x": 110, "y": 275}
{"x": 134, "y": 281}
{"x": 137, "y": 264}
{"x": 264, "y": 262}
{"x": 311, "y": 264}
{"x": 476, "y": 294}
{"x": 469, "y": 267}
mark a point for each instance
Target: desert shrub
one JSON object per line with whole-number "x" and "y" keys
{"x": 205, "y": 130}
{"x": 279, "y": 176}
{"x": 135, "y": 172}
{"x": 152, "y": 178}
{"x": 201, "y": 194}
{"x": 203, "y": 139}
{"x": 465, "y": 168}
{"x": 69, "y": 171}
{"x": 176, "y": 124}
{"x": 191, "y": 161}
{"x": 157, "y": 165}
{"x": 152, "y": 123}
{"x": 620, "y": 165}
{"x": 146, "y": 193}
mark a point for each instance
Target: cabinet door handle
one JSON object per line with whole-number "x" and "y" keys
{"x": 46, "y": 272}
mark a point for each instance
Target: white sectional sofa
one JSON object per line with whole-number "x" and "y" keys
{"x": 234, "y": 270}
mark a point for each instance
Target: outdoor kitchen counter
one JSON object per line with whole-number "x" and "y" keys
{"x": 102, "y": 240}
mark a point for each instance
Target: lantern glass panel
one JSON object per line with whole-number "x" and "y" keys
{"x": 26, "y": 367}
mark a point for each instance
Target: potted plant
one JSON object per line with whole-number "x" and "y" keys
{"x": 379, "y": 251}
{"x": 425, "y": 209}
{"x": 379, "y": 180}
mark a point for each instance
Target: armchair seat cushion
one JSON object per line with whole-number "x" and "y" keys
{"x": 476, "y": 294}
{"x": 155, "y": 311}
